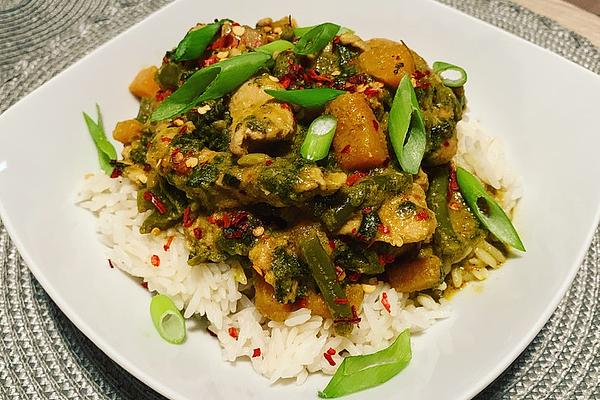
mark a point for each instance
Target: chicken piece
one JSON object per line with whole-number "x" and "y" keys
{"x": 257, "y": 118}
{"x": 405, "y": 219}
{"x": 261, "y": 255}
{"x": 421, "y": 273}
{"x": 313, "y": 178}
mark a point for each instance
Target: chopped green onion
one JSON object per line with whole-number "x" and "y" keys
{"x": 318, "y": 138}
{"x": 405, "y": 120}
{"x": 307, "y": 98}
{"x": 195, "y": 42}
{"x": 276, "y": 46}
{"x": 210, "y": 83}
{"x": 183, "y": 98}
{"x": 487, "y": 210}
{"x": 106, "y": 151}
{"x": 439, "y": 67}
{"x": 167, "y": 319}
{"x": 316, "y": 39}
{"x": 302, "y": 30}
{"x": 362, "y": 372}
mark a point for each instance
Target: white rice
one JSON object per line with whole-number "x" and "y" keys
{"x": 293, "y": 348}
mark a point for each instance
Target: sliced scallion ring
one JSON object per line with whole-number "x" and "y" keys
{"x": 440, "y": 67}
{"x": 487, "y": 210}
{"x": 167, "y": 319}
{"x": 318, "y": 138}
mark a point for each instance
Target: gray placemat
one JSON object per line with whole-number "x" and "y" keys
{"x": 43, "y": 356}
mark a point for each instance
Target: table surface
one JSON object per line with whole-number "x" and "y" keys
{"x": 584, "y": 22}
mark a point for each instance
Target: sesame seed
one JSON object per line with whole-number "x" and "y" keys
{"x": 222, "y": 54}
{"x": 178, "y": 122}
{"x": 273, "y": 78}
{"x": 191, "y": 162}
{"x": 277, "y": 29}
{"x": 336, "y": 73}
{"x": 204, "y": 109}
{"x": 238, "y": 30}
{"x": 258, "y": 231}
{"x": 155, "y": 231}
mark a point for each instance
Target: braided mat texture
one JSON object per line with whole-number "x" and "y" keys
{"x": 43, "y": 356}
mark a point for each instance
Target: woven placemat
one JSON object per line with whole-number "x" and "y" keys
{"x": 43, "y": 356}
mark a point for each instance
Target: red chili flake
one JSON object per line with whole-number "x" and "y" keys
{"x": 165, "y": 139}
{"x": 302, "y": 302}
{"x": 353, "y": 230}
{"x": 331, "y": 351}
{"x": 162, "y": 94}
{"x": 385, "y": 301}
{"x": 187, "y": 221}
{"x": 421, "y": 78}
{"x": 336, "y": 40}
{"x": 354, "y": 277}
{"x": 346, "y": 149}
{"x": 329, "y": 359}
{"x": 210, "y": 61}
{"x": 375, "y": 125}
{"x": 353, "y": 320}
{"x": 226, "y": 221}
{"x": 155, "y": 260}
{"x": 367, "y": 210}
{"x": 446, "y": 143}
{"x": 331, "y": 244}
{"x": 198, "y": 233}
{"x": 144, "y": 285}
{"x": 358, "y": 79}
{"x": 116, "y": 172}
{"x": 422, "y": 215}
{"x": 211, "y": 219}
{"x": 285, "y": 81}
{"x": 268, "y": 162}
{"x": 371, "y": 91}
{"x": 167, "y": 245}
{"x": 386, "y": 162}
{"x": 383, "y": 229}
{"x": 160, "y": 207}
{"x": 183, "y": 129}
{"x": 110, "y": 264}
{"x": 225, "y": 42}
{"x": 285, "y": 106}
{"x": 453, "y": 184}
{"x": 355, "y": 177}
{"x": 340, "y": 300}
{"x": 256, "y": 352}
{"x": 385, "y": 259}
{"x": 233, "y": 332}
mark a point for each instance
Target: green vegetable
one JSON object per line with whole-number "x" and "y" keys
{"x": 106, "y": 151}
{"x": 318, "y": 138}
{"x": 289, "y": 273}
{"x": 211, "y": 83}
{"x": 233, "y": 72}
{"x": 316, "y": 39}
{"x": 323, "y": 272}
{"x": 167, "y": 319}
{"x": 357, "y": 373}
{"x": 307, "y": 98}
{"x": 185, "y": 97}
{"x": 406, "y": 119}
{"x": 439, "y": 67}
{"x": 487, "y": 210}
{"x": 275, "y": 46}
{"x": 303, "y": 30}
{"x": 195, "y": 42}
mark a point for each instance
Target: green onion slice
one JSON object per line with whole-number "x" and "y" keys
{"x": 106, "y": 151}
{"x": 406, "y": 127}
{"x": 210, "y": 83}
{"x": 302, "y": 30}
{"x": 439, "y": 67}
{"x": 307, "y": 98}
{"x": 318, "y": 138}
{"x": 195, "y": 42}
{"x": 487, "y": 210}
{"x": 167, "y": 319}
{"x": 276, "y": 46}
{"x": 357, "y": 373}
{"x": 316, "y": 39}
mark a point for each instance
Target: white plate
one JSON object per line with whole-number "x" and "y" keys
{"x": 544, "y": 107}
